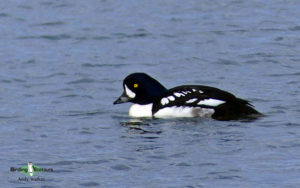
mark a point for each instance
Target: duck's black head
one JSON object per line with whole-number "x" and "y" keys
{"x": 140, "y": 88}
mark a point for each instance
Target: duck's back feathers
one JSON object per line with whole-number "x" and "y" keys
{"x": 222, "y": 105}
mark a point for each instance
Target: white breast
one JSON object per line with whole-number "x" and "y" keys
{"x": 137, "y": 110}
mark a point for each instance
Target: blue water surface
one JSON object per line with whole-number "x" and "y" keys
{"x": 62, "y": 64}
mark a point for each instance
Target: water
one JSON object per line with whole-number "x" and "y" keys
{"x": 62, "y": 66}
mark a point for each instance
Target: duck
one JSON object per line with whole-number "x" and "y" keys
{"x": 152, "y": 100}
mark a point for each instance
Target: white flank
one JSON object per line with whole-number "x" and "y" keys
{"x": 164, "y": 101}
{"x": 178, "y": 94}
{"x": 211, "y": 102}
{"x": 200, "y": 91}
{"x": 194, "y": 90}
{"x": 179, "y": 112}
{"x": 129, "y": 93}
{"x": 138, "y": 110}
{"x": 171, "y": 98}
{"x": 191, "y": 100}
{"x": 174, "y": 112}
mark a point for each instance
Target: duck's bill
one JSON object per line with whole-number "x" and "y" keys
{"x": 122, "y": 99}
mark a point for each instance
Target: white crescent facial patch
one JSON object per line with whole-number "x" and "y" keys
{"x": 129, "y": 93}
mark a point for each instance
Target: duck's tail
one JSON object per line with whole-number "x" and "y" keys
{"x": 235, "y": 110}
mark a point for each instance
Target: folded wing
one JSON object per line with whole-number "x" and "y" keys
{"x": 202, "y": 97}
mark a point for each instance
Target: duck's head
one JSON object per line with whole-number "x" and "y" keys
{"x": 140, "y": 88}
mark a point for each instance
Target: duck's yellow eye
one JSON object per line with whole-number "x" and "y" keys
{"x": 135, "y": 85}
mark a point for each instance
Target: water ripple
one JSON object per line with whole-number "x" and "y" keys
{"x": 135, "y": 35}
{"x": 3, "y": 15}
{"x": 90, "y": 184}
{"x": 82, "y": 81}
{"x": 68, "y": 163}
{"x": 92, "y": 65}
{"x": 55, "y": 23}
{"x": 47, "y": 37}
{"x": 296, "y": 28}
{"x": 121, "y": 167}
{"x": 84, "y": 113}
{"x": 101, "y": 38}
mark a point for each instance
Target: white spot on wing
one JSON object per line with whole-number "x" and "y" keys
{"x": 211, "y": 102}
{"x": 194, "y": 90}
{"x": 177, "y": 94}
{"x": 186, "y": 92}
{"x": 191, "y": 100}
{"x": 171, "y": 98}
{"x": 164, "y": 101}
{"x": 129, "y": 93}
